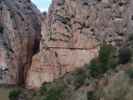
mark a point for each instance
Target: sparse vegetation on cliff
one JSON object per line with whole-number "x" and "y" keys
{"x": 14, "y": 94}
{"x": 130, "y": 73}
{"x": 54, "y": 93}
{"x": 49, "y": 47}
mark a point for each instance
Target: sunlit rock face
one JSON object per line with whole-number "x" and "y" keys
{"x": 72, "y": 31}
{"x": 19, "y": 38}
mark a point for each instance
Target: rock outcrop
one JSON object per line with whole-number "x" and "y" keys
{"x": 19, "y": 39}
{"x": 72, "y": 31}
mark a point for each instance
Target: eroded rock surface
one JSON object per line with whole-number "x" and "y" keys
{"x": 19, "y": 39}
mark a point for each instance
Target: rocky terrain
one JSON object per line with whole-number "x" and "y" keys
{"x": 78, "y": 50}
{"x": 72, "y": 32}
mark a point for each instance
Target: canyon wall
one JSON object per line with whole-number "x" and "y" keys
{"x": 72, "y": 31}
{"x": 19, "y": 39}
{"x": 69, "y": 37}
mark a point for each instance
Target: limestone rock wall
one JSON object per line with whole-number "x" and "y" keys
{"x": 72, "y": 31}
{"x": 19, "y": 38}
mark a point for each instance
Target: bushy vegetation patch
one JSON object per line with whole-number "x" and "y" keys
{"x": 130, "y": 73}
{"x": 104, "y": 62}
{"x": 130, "y": 37}
{"x": 105, "y": 53}
{"x": 14, "y": 94}
{"x": 79, "y": 77}
{"x": 52, "y": 91}
{"x": 91, "y": 95}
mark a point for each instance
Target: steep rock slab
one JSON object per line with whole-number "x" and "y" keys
{"x": 53, "y": 63}
{"x": 61, "y": 50}
{"x": 19, "y": 38}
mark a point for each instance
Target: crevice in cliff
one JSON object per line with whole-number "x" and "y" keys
{"x": 36, "y": 47}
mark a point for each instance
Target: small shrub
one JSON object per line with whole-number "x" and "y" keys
{"x": 52, "y": 91}
{"x": 130, "y": 38}
{"x": 105, "y": 53}
{"x": 104, "y": 62}
{"x": 125, "y": 55}
{"x": 130, "y": 73}
{"x": 14, "y": 94}
{"x": 79, "y": 77}
{"x": 95, "y": 68}
{"x": 43, "y": 89}
{"x": 91, "y": 95}
{"x": 54, "y": 94}
{"x": 113, "y": 62}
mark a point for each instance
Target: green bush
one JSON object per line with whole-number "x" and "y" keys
{"x": 95, "y": 68}
{"x": 105, "y": 53}
{"x": 43, "y": 89}
{"x": 125, "y": 55}
{"x": 14, "y": 94}
{"x": 79, "y": 77}
{"x": 54, "y": 94}
{"x": 91, "y": 95}
{"x": 130, "y": 73}
{"x": 52, "y": 91}
{"x": 130, "y": 38}
{"x": 104, "y": 62}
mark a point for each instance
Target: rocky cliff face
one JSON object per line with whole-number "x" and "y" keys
{"x": 19, "y": 39}
{"x": 72, "y": 31}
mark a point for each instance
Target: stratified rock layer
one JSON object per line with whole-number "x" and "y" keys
{"x": 19, "y": 39}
